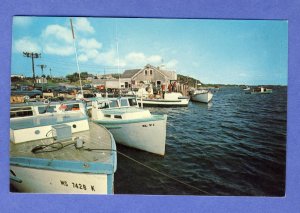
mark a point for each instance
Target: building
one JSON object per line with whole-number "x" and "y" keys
{"x": 41, "y": 80}
{"x": 148, "y": 75}
{"x": 17, "y": 76}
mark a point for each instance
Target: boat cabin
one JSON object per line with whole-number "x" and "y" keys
{"x": 35, "y": 121}
{"x": 40, "y": 108}
{"x": 117, "y": 108}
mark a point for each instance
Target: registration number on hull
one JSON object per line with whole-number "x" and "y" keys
{"x": 147, "y": 125}
{"x": 77, "y": 185}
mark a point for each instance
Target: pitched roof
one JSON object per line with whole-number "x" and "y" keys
{"x": 129, "y": 73}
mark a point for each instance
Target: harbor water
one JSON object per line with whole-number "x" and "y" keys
{"x": 235, "y": 145}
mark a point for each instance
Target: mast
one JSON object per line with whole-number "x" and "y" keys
{"x": 75, "y": 49}
{"x": 118, "y": 58}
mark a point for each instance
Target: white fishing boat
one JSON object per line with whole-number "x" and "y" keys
{"x": 247, "y": 88}
{"x": 55, "y": 149}
{"x": 130, "y": 125}
{"x": 260, "y": 90}
{"x": 202, "y": 95}
{"x": 172, "y": 99}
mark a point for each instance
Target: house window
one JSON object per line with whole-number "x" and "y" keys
{"x": 150, "y": 72}
{"x": 146, "y": 73}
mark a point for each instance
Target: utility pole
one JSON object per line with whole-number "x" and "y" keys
{"x": 50, "y": 73}
{"x": 32, "y": 55}
{"x": 42, "y": 66}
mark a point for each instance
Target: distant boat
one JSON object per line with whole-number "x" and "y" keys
{"x": 170, "y": 99}
{"x": 260, "y": 90}
{"x": 247, "y": 88}
{"x": 51, "y": 150}
{"x": 202, "y": 95}
{"x": 131, "y": 125}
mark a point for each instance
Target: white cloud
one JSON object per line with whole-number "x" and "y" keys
{"x": 82, "y": 58}
{"x": 83, "y": 25}
{"x": 57, "y": 32}
{"x": 26, "y": 45}
{"x": 135, "y": 57}
{"x": 138, "y": 59}
{"x": 154, "y": 59}
{"x": 22, "y": 21}
{"x": 57, "y": 40}
{"x": 56, "y": 49}
{"x": 89, "y": 44}
{"x": 171, "y": 64}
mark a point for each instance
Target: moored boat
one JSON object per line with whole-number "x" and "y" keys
{"x": 247, "y": 88}
{"x": 60, "y": 151}
{"x": 204, "y": 96}
{"x": 260, "y": 90}
{"x": 172, "y": 99}
{"x": 130, "y": 125}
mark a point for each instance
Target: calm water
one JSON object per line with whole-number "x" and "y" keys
{"x": 235, "y": 145}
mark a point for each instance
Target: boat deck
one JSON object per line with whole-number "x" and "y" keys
{"x": 96, "y": 138}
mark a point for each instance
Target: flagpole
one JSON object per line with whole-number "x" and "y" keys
{"x": 74, "y": 43}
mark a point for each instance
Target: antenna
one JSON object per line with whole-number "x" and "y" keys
{"x": 74, "y": 43}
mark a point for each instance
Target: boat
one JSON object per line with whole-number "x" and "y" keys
{"x": 169, "y": 99}
{"x": 202, "y": 95}
{"x": 130, "y": 125}
{"x": 54, "y": 148}
{"x": 247, "y": 88}
{"x": 260, "y": 90}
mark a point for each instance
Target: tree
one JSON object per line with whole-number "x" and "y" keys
{"x": 84, "y": 75}
{"x": 73, "y": 77}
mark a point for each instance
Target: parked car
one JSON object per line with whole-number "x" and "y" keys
{"x": 87, "y": 87}
{"x": 26, "y": 91}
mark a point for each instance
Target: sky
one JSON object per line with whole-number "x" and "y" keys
{"x": 252, "y": 52}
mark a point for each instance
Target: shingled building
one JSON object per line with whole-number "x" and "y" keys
{"x": 149, "y": 74}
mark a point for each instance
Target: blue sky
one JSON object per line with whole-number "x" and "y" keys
{"x": 213, "y": 51}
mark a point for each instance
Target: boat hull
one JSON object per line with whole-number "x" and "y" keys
{"x": 265, "y": 92}
{"x": 25, "y": 179}
{"x": 143, "y": 134}
{"x": 202, "y": 97}
{"x": 164, "y": 103}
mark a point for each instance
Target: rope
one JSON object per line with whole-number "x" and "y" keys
{"x": 164, "y": 174}
{"x": 40, "y": 149}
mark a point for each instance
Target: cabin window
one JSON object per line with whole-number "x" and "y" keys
{"x": 71, "y": 107}
{"x": 150, "y": 72}
{"x": 146, "y": 72}
{"x": 21, "y": 112}
{"x": 132, "y": 101}
{"x": 124, "y": 102}
{"x": 103, "y": 105}
{"x": 113, "y": 103}
{"x": 118, "y": 116}
{"x": 107, "y": 116}
{"x": 44, "y": 109}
